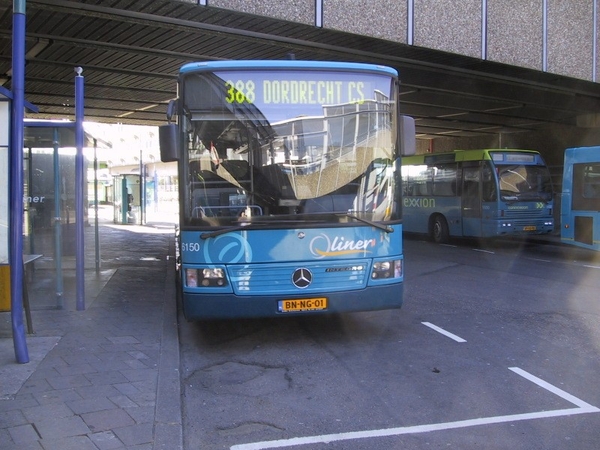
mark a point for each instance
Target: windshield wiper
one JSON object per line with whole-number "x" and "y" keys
{"x": 524, "y": 197}
{"x": 380, "y": 226}
{"x": 211, "y": 234}
{"x": 246, "y": 225}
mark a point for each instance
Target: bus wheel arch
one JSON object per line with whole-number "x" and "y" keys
{"x": 438, "y": 229}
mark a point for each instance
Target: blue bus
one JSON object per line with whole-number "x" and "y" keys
{"x": 477, "y": 193}
{"x": 289, "y": 187}
{"x": 580, "y": 199}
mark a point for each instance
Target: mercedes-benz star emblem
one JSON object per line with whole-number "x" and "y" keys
{"x": 302, "y": 278}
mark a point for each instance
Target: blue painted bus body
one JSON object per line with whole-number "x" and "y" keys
{"x": 339, "y": 259}
{"x": 195, "y": 67}
{"x": 580, "y": 199}
{"x": 471, "y": 198}
{"x": 289, "y": 187}
{"x": 498, "y": 219}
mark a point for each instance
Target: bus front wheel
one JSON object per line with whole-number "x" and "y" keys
{"x": 439, "y": 230}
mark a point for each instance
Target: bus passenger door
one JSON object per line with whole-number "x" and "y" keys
{"x": 471, "y": 200}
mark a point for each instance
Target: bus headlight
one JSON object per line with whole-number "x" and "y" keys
{"x": 209, "y": 277}
{"x": 213, "y": 273}
{"x": 387, "y": 269}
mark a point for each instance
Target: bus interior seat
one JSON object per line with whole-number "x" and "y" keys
{"x": 329, "y": 203}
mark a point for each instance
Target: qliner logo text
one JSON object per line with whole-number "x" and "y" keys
{"x": 322, "y": 245}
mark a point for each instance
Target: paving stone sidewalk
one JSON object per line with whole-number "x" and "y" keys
{"x": 106, "y": 377}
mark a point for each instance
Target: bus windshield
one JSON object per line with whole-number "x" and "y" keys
{"x": 524, "y": 182}
{"x": 278, "y": 146}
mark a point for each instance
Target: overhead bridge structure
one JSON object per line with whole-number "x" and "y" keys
{"x": 474, "y": 73}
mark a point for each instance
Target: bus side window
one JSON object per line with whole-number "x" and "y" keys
{"x": 470, "y": 193}
{"x": 489, "y": 184}
{"x": 471, "y": 188}
{"x": 592, "y": 190}
{"x": 420, "y": 188}
{"x": 591, "y": 181}
{"x": 444, "y": 181}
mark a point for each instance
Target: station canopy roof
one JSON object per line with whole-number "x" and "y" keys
{"x": 44, "y": 134}
{"x": 131, "y": 51}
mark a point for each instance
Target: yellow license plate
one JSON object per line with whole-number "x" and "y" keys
{"x": 529, "y": 228}
{"x": 304, "y": 304}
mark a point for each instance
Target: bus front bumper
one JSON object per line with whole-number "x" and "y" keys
{"x": 229, "y": 306}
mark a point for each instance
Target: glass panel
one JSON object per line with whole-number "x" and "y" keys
{"x": 591, "y": 181}
{"x": 417, "y": 180}
{"x": 4, "y": 209}
{"x": 280, "y": 143}
{"x": 524, "y": 182}
{"x": 586, "y": 187}
{"x": 444, "y": 180}
{"x": 490, "y": 193}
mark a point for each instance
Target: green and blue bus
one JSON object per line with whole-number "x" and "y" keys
{"x": 289, "y": 187}
{"x": 477, "y": 193}
{"x": 580, "y": 199}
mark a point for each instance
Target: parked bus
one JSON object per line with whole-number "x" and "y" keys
{"x": 580, "y": 199}
{"x": 477, "y": 193}
{"x": 289, "y": 189}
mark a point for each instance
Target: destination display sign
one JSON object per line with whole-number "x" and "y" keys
{"x": 294, "y": 92}
{"x": 279, "y": 87}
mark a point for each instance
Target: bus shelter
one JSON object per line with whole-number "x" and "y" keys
{"x": 128, "y": 198}
{"x": 133, "y": 195}
{"x": 49, "y": 188}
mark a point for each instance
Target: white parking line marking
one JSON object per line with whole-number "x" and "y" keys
{"x": 556, "y": 391}
{"x": 444, "y": 332}
{"x": 483, "y": 251}
{"x": 583, "y": 408}
{"x": 539, "y": 259}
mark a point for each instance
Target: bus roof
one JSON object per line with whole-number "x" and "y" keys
{"x": 284, "y": 64}
{"x": 460, "y": 155}
{"x": 583, "y": 154}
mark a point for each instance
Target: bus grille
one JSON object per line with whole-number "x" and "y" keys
{"x": 264, "y": 279}
{"x": 525, "y": 213}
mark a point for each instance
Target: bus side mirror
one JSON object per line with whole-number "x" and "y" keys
{"x": 167, "y": 139}
{"x": 408, "y": 143}
{"x": 171, "y": 108}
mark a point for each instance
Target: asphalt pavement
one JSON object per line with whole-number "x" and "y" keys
{"x": 105, "y": 376}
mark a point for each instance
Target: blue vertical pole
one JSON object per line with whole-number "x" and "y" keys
{"x": 155, "y": 178}
{"x": 16, "y": 182}
{"x": 57, "y": 224}
{"x": 96, "y": 235}
{"x": 141, "y": 189}
{"x": 79, "y": 187}
{"x": 124, "y": 201}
